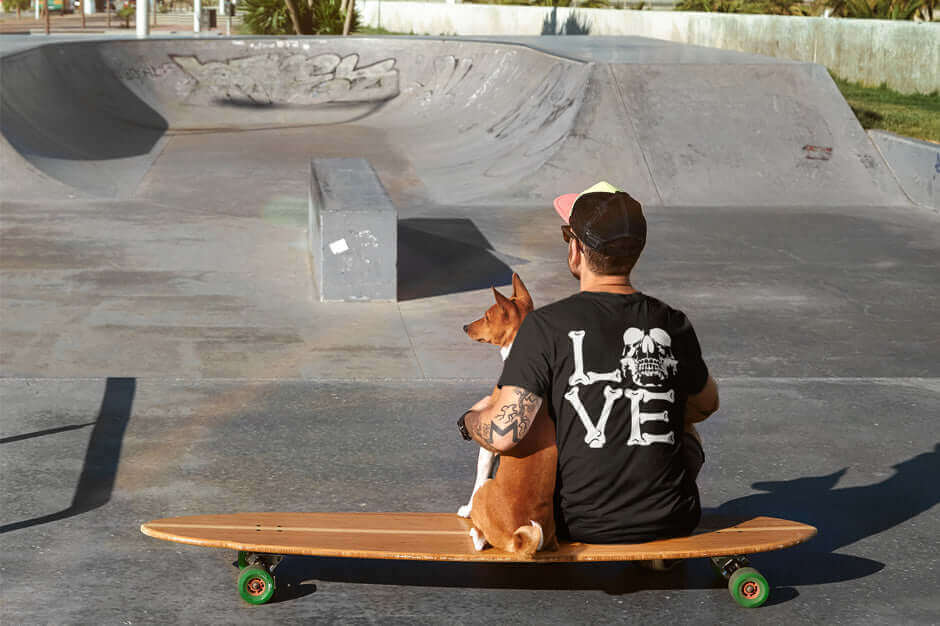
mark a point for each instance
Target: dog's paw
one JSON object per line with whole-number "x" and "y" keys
{"x": 479, "y": 541}
{"x": 464, "y": 511}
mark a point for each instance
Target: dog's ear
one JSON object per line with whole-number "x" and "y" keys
{"x": 519, "y": 291}
{"x": 501, "y": 300}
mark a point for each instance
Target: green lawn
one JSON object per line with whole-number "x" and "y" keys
{"x": 370, "y": 30}
{"x": 913, "y": 115}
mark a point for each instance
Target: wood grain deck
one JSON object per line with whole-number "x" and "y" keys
{"x": 443, "y": 537}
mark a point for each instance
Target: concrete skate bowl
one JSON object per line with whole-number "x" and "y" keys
{"x": 464, "y": 118}
{"x": 444, "y": 122}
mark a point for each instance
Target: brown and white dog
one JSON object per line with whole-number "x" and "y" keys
{"x": 514, "y": 510}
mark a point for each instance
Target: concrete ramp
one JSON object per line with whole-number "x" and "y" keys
{"x": 468, "y": 122}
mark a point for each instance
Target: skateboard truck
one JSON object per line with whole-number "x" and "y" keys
{"x": 267, "y": 561}
{"x": 725, "y": 566}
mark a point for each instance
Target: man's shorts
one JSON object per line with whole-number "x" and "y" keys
{"x": 693, "y": 456}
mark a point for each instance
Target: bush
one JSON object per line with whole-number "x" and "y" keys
{"x": 126, "y": 12}
{"x": 766, "y": 7}
{"x": 319, "y": 17}
{"x": 17, "y": 5}
{"x": 583, "y": 4}
{"x": 872, "y": 9}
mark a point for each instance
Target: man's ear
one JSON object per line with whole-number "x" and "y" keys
{"x": 501, "y": 300}
{"x": 519, "y": 291}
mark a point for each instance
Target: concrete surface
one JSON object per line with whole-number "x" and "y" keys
{"x": 903, "y": 54}
{"x": 162, "y": 350}
{"x": 352, "y": 228}
{"x": 916, "y": 164}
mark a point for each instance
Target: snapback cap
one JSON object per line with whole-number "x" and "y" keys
{"x": 604, "y": 218}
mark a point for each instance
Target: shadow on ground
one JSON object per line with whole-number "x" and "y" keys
{"x": 843, "y": 515}
{"x": 99, "y": 469}
{"x": 443, "y": 256}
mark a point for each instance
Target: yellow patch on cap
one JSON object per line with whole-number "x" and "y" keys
{"x": 602, "y": 186}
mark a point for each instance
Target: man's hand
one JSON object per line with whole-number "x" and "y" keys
{"x": 500, "y": 425}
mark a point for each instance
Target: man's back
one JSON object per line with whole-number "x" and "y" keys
{"x": 616, "y": 370}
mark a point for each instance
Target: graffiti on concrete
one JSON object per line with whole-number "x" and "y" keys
{"x": 449, "y": 71}
{"x": 552, "y": 100}
{"x": 146, "y": 72}
{"x": 818, "y": 153}
{"x": 868, "y": 161}
{"x": 288, "y": 79}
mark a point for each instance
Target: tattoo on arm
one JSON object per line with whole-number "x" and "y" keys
{"x": 513, "y": 418}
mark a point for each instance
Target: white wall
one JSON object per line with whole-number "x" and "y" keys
{"x": 905, "y": 55}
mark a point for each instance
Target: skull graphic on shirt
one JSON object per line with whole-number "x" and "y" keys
{"x": 647, "y": 357}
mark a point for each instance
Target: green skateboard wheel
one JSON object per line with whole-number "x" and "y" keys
{"x": 748, "y": 587}
{"x": 255, "y": 585}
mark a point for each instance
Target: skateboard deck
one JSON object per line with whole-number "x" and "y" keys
{"x": 261, "y": 539}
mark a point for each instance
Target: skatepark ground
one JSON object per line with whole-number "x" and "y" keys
{"x": 162, "y": 351}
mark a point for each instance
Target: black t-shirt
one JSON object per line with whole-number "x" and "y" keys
{"x": 616, "y": 371}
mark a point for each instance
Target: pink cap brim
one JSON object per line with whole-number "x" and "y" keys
{"x": 564, "y": 204}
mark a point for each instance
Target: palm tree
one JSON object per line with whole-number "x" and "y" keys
{"x": 294, "y": 15}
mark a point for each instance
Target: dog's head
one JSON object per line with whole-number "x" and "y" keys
{"x": 502, "y": 320}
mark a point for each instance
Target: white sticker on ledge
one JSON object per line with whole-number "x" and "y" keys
{"x": 339, "y": 246}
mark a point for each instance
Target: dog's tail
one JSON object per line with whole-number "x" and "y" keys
{"x": 527, "y": 540}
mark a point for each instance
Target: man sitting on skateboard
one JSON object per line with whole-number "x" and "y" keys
{"x": 624, "y": 379}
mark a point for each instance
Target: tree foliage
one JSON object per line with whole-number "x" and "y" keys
{"x": 316, "y": 17}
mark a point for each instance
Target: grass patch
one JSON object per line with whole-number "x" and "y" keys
{"x": 912, "y": 115}
{"x": 371, "y": 30}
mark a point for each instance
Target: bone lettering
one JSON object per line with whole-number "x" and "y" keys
{"x": 594, "y": 436}
{"x": 637, "y": 417}
{"x": 579, "y": 377}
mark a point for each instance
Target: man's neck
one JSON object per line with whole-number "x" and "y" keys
{"x": 608, "y": 284}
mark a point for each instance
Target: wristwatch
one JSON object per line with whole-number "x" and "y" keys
{"x": 462, "y": 427}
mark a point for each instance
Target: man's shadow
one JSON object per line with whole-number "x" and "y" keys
{"x": 843, "y": 517}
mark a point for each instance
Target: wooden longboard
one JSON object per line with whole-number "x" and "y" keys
{"x": 444, "y": 537}
{"x": 261, "y": 539}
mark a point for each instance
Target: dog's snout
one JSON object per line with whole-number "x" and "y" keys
{"x": 465, "y": 327}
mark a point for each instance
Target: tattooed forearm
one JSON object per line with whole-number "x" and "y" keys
{"x": 503, "y": 426}
{"x": 480, "y": 430}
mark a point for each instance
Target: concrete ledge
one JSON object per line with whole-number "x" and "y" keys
{"x": 352, "y": 232}
{"x": 916, "y": 165}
